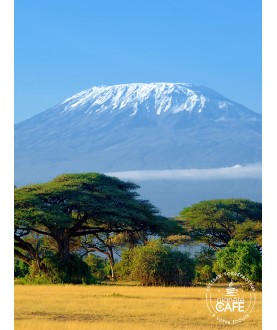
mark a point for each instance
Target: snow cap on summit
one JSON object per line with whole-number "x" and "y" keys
{"x": 158, "y": 97}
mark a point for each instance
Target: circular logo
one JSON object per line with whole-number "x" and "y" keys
{"x": 231, "y": 302}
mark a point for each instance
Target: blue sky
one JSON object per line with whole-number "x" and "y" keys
{"x": 63, "y": 47}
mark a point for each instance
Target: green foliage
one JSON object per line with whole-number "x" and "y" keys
{"x": 33, "y": 280}
{"x": 216, "y": 222}
{"x": 156, "y": 264}
{"x": 249, "y": 231}
{"x": 74, "y": 205}
{"x": 85, "y": 201}
{"x": 90, "y": 211}
{"x": 97, "y": 266}
{"x": 21, "y": 269}
{"x": 123, "y": 268}
{"x": 241, "y": 257}
{"x": 204, "y": 274}
{"x": 204, "y": 265}
{"x": 71, "y": 270}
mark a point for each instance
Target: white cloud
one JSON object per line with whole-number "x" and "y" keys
{"x": 252, "y": 171}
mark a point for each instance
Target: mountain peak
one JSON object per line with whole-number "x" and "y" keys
{"x": 157, "y": 98}
{"x": 137, "y": 126}
{"x": 144, "y": 127}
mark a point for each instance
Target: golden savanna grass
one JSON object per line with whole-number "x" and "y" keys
{"x": 80, "y": 307}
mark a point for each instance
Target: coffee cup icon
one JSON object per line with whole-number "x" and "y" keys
{"x": 231, "y": 291}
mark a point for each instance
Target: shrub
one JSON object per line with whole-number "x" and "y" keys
{"x": 204, "y": 274}
{"x": 241, "y": 257}
{"x": 73, "y": 270}
{"x": 156, "y": 264}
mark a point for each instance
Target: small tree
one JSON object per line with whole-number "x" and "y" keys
{"x": 240, "y": 257}
{"x": 157, "y": 264}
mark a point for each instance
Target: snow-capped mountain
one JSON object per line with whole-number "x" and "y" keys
{"x": 139, "y": 126}
{"x": 155, "y": 126}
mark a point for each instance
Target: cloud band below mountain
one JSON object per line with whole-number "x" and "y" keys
{"x": 252, "y": 171}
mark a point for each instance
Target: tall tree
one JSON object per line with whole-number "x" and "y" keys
{"x": 72, "y": 206}
{"x": 216, "y": 222}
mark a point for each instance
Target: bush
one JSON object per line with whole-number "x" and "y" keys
{"x": 156, "y": 264}
{"x": 204, "y": 274}
{"x": 73, "y": 270}
{"x": 240, "y": 257}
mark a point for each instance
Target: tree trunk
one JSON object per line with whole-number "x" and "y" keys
{"x": 111, "y": 261}
{"x": 63, "y": 246}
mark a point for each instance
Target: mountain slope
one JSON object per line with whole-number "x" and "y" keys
{"x": 136, "y": 127}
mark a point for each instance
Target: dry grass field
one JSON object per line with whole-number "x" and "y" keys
{"x": 80, "y": 307}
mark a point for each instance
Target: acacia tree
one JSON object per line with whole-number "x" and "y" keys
{"x": 216, "y": 222}
{"x": 72, "y": 206}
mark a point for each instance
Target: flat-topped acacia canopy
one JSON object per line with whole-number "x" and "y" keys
{"x": 216, "y": 222}
{"x": 75, "y": 205}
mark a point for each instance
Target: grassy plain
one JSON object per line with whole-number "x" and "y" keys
{"x": 80, "y": 307}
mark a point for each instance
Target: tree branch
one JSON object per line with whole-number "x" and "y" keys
{"x": 22, "y": 257}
